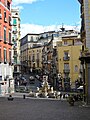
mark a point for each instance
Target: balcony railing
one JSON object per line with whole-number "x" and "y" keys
{"x": 5, "y": 41}
{"x": 10, "y": 43}
{"x": 66, "y": 58}
{"x": 66, "y": 70}
{"x": 14, "y": 31}
{"x": 15, "y": 47}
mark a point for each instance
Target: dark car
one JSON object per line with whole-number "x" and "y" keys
{"x": 23, "y": 81}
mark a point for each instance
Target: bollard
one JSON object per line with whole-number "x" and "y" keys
{"x": 24, "y": 96}
{"x": 10, "y": 98}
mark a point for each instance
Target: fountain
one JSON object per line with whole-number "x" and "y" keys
{"x": 45, "y": 91}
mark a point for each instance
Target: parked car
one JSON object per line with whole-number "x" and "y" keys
{"x": 31, "y": 79}
{"x": 23, "y": 80}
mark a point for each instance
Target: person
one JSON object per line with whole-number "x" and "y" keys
{"x": 60, "y": 96}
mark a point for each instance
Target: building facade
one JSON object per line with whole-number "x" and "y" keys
{"x": 27, "y": 43}
{"x": 45, "y": 51}
{"x": 35, "y": 59}
{"x": 85, "y": 56}
{"x": 16, "y": 40}
{"x": 6, "y": 69}
{"x": 69, "y": 50}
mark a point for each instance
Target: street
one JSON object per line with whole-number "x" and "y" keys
{"x": 30, "y": 85}
{"x": 41, "y": 109}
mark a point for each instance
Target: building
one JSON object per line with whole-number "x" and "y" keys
{"x": 35, "y": 59}
{"x": 26, "y": 43}
{"x": 16, "y": 40}
{"x": 43, "y": 52}
{"x": 85, "y": 56}
{"x": 6, "y": 69}
{"x": 69, "y": 51}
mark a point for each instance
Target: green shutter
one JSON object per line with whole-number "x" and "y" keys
{"x": 14, "y": 22}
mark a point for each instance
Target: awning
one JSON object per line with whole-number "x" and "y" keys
{"x": 80, "y": 88}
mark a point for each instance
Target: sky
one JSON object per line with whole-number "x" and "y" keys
{"x": 39, "y": 16}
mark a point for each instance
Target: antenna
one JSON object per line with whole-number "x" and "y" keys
{"x": 62, "y": 28}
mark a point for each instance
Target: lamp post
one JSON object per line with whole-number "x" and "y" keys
{"x": 59, "y": 79}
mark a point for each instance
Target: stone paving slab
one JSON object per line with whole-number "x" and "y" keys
{"x": 41, "y": 109}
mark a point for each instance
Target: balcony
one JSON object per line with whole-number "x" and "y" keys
{"x": 5, "y": 61}
{"x": 5, "y": 41}
{"x": 15, "y": 47}
{"x": 66, "y": 58}
{"x": 14, "y": 31}
{"x": 15, "y": 55}
{"x": 66, "y": 71}
{"x": 10, "y": 43}
{"x": 10, "y": 63}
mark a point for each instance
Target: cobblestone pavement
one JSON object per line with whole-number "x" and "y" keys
{"x": 41, "y": 109}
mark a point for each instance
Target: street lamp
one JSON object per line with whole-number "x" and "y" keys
{"x": 59, "y": 80}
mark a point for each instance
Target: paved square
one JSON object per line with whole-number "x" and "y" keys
{"x": 40, "y": 109}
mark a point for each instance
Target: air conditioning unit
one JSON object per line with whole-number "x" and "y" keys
{"x": 0, "y": 15}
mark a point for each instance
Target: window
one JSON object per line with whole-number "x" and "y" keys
{"x": 9, "y": 20}
{"x": 5, "y": 55}
{"x": 66, "y": 55}
{"x": 15, "y": 53}
{"x": 66, "y": 66}
{"x": 8, "y": 5}
{"x": 14, "y": 21}
{"x": 9, "y": 37}
{"x": 4, "y": 34}
{"x": 0, "y": 14}
{"x": 37, "y": 56}
{"x": 65, "y": 42}
{"x": 0, "y": 55}
{"x": 14, "y": 29}
{"x": 16, "y": 13}
{"x": 31, "y": 38}
{"x": 76, "y": 68}
{"x": 9, "y": 56}
{"x": 5, "y": 2}
{"x": 5, "y": 16}
{"x": 0, "y": 32}
{"x": 33, "y": 58}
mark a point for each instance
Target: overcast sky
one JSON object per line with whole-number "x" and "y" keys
{"x": 45, "y": 15}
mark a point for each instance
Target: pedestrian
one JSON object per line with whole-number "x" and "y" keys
{"x": 60, "y": 96}
{"x": 63, "y": 95}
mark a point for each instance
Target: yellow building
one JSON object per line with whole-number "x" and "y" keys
{"x": 35, "y": 58}
{"x": 69, "y": 50}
